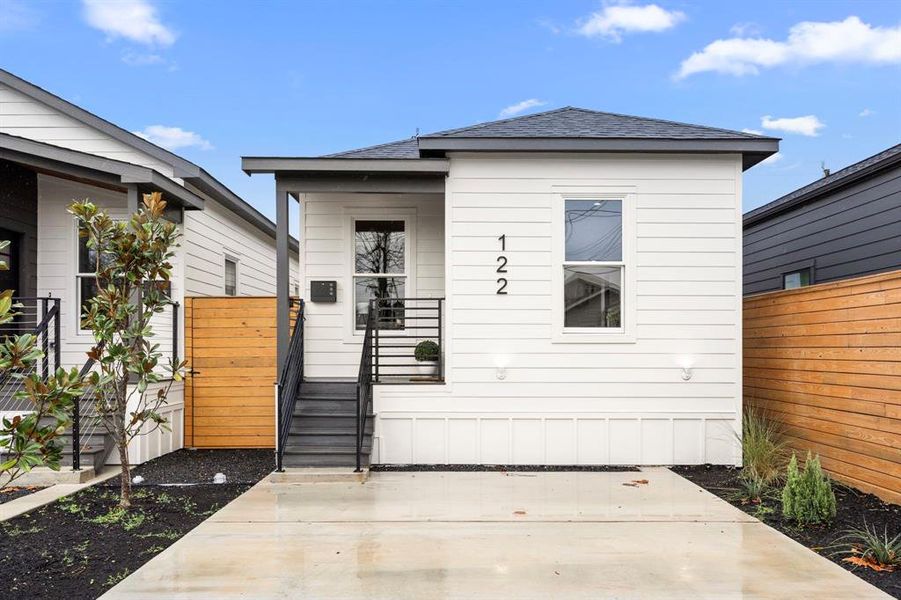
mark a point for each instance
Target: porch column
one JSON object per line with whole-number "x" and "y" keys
{"x": 132, "y": 198}
{"x": 282, "y": 275}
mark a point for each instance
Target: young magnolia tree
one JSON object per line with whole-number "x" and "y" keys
{"x": 31, "y": 439}
{"x": 132, "y": 262}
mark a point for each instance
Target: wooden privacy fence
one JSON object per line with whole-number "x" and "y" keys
{"x": 230, "y": 349}
{"x": 826, "y": 361}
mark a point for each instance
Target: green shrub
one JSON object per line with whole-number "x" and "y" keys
{"x": 873, "y": 549}
{"x": 763, "y": 447}
{"x": 807, "y": 497}
{"x": 426, "y": 351}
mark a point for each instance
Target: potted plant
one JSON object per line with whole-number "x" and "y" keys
{"x": 427, "y": 354}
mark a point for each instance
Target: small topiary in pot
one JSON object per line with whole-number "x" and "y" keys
{"x": 426, "y": 351}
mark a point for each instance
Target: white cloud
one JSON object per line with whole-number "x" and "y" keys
{"x": 866, "y": 113}
{"x": 614, "y": 20}
{"x": 808, "y": 125}
{"x": 752, "y": 131}
{"x": 173, "y": 138}
{"x": 515, "y": 109}
{"x": 848, "y": 41}
{"x": 744, "y": 29}
{"x": 771, "y": 160}
{"x": 134, "y": 20}
{"x": 136, "y": 59}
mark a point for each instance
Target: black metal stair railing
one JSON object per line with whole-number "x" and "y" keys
{"x": 364, "y": 382}
{"x": 289, "y": 384}
{"x": 401, "y": 324}
{"x": 38, "y": 317}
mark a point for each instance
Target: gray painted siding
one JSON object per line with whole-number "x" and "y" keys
{"x": 19, "y": 213}
{"x": 851, "y": 232}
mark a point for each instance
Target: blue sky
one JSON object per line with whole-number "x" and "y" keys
{"x": 216, "y": 80}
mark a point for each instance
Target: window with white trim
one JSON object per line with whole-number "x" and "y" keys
{"x": 85, "y": 278}
{"x": 231, "y": 276}
{"x": 380, "y": 269}
{"x": 593, "y": 265}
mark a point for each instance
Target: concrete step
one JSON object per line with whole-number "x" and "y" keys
{"x": 319, "y": 475}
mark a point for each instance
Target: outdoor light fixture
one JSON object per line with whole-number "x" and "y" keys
{"x": 686, "y": 373}
{"x": 501, "y": 373}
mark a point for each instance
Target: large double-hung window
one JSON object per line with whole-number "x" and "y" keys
{"x": 593, "y": 266}
{"x": 380, "y": 270}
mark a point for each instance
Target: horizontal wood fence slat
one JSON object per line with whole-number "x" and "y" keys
{"x": 230, "y": 346}
{"x": 825, "y": 361}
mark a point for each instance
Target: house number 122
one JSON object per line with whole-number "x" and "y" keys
{"x": 502, "y": 267}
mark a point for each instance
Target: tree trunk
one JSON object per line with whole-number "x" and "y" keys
{"x": 124, "y": 476}
{"x": 122, "y": 443}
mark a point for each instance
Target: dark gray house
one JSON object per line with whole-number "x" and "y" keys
{"x": 845, "y": 225}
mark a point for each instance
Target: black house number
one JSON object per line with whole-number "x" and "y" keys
{"x": 502, "y": 267}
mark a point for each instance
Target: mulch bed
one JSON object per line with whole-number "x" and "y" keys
{"x": 82, "y": 545}
{"x": 504, "y": 468}
{"x": 13, "y": 492}
{"x": 853, "y": 508}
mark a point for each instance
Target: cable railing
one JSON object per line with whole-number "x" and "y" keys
{"x": 289, "y": 384}
{"x": 38, "y": 317}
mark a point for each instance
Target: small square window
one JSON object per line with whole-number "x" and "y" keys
{"x": 796, "y": 279}
{"x": 231, "y": 277}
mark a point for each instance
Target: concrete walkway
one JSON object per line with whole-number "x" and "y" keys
{"x": 488, "y": 535}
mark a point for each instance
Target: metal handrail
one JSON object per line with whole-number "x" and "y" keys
{"x": 36, "y": 319}
{"x": 288, "y": 386}
{"x": 403, "y": 323}
{"x": 364, "y": 382}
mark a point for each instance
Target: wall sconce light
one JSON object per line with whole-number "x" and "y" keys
{"x": 686, "y": 373}
{"x": 501, "y": 373}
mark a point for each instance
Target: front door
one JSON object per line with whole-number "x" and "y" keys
{"x": 9, "y": 278}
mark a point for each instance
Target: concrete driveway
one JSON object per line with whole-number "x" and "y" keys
{"x": 488, "y": 535}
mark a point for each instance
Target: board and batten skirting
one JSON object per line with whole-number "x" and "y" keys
{"x": 555, "y": 439}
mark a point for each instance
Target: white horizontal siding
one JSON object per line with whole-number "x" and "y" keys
{"x": 583, "y": 403}
{"x": 57, "y": 262}
{"x": 25, "y": 117}
{"x": 331, "y": 348}
{"x": 216, "y": 232}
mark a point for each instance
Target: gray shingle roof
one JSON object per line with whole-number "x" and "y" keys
{"x": 408, "y": 148}
{"x": 567, "y": 122}
{"x": 823, "y": 185}
{"x": 571, "y": 122}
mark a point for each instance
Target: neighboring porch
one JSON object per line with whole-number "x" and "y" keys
{"x": 51, "y": 273}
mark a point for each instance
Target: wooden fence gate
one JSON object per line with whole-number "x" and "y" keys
{"x": 229, "y": 393}
{"x": 825, "y": 360}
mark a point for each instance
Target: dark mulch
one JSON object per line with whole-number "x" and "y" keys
{"x": 13, "y": 492}
{"x": 199, "y": 466}
{"x": 81, "y": 545}
{"x": 853, "y": 508}
{"x": 502, "y": 468}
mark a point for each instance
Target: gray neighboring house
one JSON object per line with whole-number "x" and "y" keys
{"x": 845, "y": 225}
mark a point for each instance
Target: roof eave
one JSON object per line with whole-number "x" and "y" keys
{"x": 755, "y": 150}
{"x": 76, "y": 163}
{"x": 279, "y": 164}
{"x": 776, "y": 207}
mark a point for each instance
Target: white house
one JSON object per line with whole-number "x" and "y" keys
{"x": 581, "y": 272}
{"x": 53, "y": 152}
